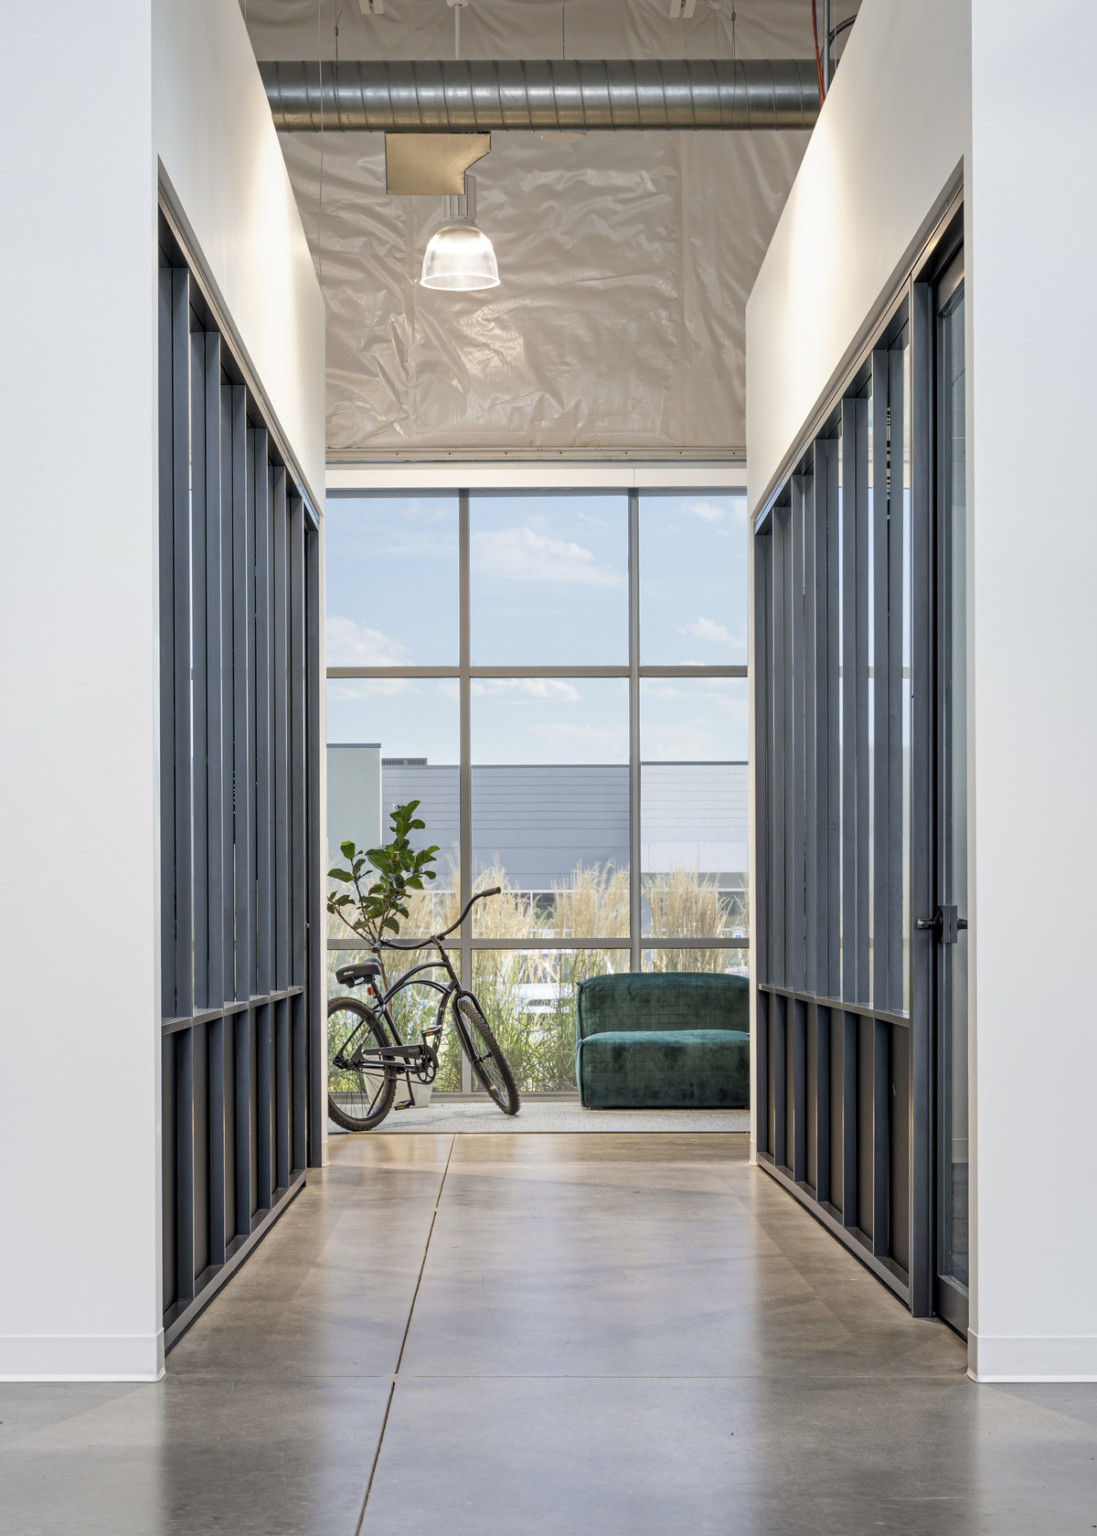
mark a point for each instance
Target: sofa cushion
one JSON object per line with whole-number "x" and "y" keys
{"x": 662, "y": 1000}
{"x": 664, "y": 1069}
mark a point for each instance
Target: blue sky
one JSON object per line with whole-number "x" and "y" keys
{"x": 548, "y": 588}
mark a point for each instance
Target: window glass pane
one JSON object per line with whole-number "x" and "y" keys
{"x": 725, "y": 962}
{"x": 549, "y": 580}
{"x": 693, "y": 580}
{"x": 391, "y": 577}
{"x": 693, "y": 806}
{"x": 550, "y": 797}
{"x": 528, "y": 997}
{"x": 391, "y": 741}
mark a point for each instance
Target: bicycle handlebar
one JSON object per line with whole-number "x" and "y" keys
{"x": 436, "y": 938}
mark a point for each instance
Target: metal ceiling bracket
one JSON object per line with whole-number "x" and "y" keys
{"x": 433, "y": 163}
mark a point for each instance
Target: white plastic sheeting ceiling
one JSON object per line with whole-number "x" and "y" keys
{"x": 626, "y": 258}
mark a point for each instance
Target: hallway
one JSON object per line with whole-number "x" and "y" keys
{"x": 613, "y": 1335}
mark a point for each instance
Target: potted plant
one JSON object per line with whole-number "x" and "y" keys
{"x": 381, "y": 879}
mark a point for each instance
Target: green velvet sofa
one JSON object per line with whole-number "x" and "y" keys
{"x": 663, "y": 1040}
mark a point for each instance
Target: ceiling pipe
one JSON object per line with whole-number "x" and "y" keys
{"x": 476, "y": 96}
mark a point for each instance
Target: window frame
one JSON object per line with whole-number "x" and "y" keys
{"x": 721, "y": 479}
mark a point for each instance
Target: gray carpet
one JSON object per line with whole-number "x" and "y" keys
{"x": 442, "y": 1118}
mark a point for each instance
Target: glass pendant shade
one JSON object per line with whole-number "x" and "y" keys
{"x": 461, "y": 258}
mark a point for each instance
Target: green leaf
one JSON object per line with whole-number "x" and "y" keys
{"x": 339, "y": 874}
{"x": 348, "y": 850}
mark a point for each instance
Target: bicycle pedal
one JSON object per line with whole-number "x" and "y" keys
{"x": 407, "y": 1104}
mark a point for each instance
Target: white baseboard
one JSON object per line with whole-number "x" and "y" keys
{"x": 1043, "y": 1357}
{"x": 57, "y": 1357}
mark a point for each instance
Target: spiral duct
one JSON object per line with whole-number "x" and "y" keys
{"x": 468, "y": 96}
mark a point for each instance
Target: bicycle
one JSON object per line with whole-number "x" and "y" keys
{"x": 362, "y": 1076}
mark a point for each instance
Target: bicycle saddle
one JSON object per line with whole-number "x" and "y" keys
{"x": 355, "y": 975}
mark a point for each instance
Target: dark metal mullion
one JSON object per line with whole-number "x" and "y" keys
{"x": 797, "y": 1028}
{"x": 315, "y": 1027}
{"x": 228, "y": 707}
{"x": 824, "y": 1018}
{"x": 283, "y": 1094}
{"x": 216, "y": 669}
{"x": 796, "y": 886}
{"x": 220, "y": 1161}
{"x": 848, "y": 514}
{"x": 300, "y": 893}
{"x": 896, "y": 690}
{"x": 635, "y": 798}
{"x": 243, "y": 646}
{"x": 264, "y": 745}
{"x": 167, "y": 653}
{"x": 265, "y": 1098}
{"x": 181, "y": 685}
{"x": 242, "y": 1025}
{"x": 900, "y": 1021}
{"x": 183, "y": 1047}
{"x": 848, "y": 1023}
{"x": 464, "y": 568}
{"x": 922, "y": 804}
{"x": 810, "y": 716}
{"x": 862, "y": 785}
{"x": 614, "y": 941}
{"x": 281, "y": 764}
{"x": 779, "y": 1084}
{"x": 883, "y": 870}
{"x": 204, "y": 680}
{"x": 828, "y": 743}
{"x": 762, "y": 546}
{"x": 779, "y": 684}
{"x": 761, "y": 1070}
{"x": 881, "y": 1109}
{"x": 531, "y": 671}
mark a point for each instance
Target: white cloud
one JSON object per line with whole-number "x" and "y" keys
{"x": 343, "y": 688}
{"x": 529, "y": 688}
{"x": 522, "y": 554}
{"x": 733, "y": 513}
{"x": 708, "y": 629}
{"x": 354, "y": 645}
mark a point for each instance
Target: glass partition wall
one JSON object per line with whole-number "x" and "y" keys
{"x": 860, "y": 730}
{"x": 560, "y": 679}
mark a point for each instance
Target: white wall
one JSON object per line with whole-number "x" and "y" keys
{"x": 80, "y": 1285}
{"x": 213, "y": 133}
{"x": 1034, "y": 557}
{"x": 79, "y": 1046}
{"x": 894, "y": 129}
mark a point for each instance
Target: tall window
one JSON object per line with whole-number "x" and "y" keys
{"x": 560, "y": 680}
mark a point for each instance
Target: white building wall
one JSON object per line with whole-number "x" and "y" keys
{"x": 893, "y": 132}
{"x": 80, "y": 1287}
{"x": 1034, "y": 556}
{"x": 910, "y": 103}
{"x": 221, "y": 156}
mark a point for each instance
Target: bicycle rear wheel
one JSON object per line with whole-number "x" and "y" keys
{"x": 359, "y": 1096}
{"x": 484, "y": 1053}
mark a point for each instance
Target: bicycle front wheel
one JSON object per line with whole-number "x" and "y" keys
{"x": 360, "y": 1092}
{"x": 484, "y": 1053}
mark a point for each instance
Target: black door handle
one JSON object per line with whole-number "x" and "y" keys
{"x": 945, "y": 923}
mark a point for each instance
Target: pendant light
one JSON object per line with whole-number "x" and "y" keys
{"x": 459, "y": 256}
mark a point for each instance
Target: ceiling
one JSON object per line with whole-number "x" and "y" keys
{"x": 626, "y": 258}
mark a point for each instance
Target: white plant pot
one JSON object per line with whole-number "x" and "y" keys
{"x": 420, "y": 1093}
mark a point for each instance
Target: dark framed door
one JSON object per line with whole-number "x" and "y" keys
{"x": 949, "y": 920}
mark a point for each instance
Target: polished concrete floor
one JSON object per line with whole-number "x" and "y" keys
{"x": 551, "y": 1336}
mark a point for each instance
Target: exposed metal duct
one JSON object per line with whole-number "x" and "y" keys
{"x": 468, "y": 96}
